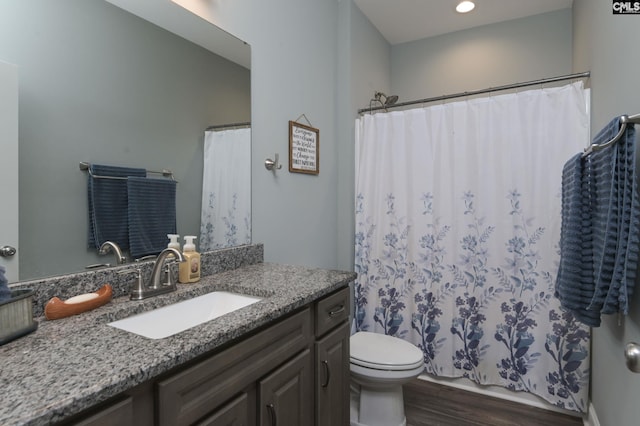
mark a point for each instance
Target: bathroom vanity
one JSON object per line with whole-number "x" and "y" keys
{"x": 281, "y": 361}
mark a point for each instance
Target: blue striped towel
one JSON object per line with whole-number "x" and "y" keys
{"x": 152, "y": 214}
{"x": 574, "y": 284}
{"x": 108, "y": 205}
{"x": 624, "y": 244}
{"x": 600, "y": 223}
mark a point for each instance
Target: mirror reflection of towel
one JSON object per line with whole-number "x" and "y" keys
{"x": 5, "y": 293}
{"x": 151, "y": 214}
{"x": 108, "y": 205}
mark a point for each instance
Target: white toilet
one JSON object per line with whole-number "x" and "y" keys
{"x": 380, "y": 365}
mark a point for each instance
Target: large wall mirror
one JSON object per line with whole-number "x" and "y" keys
{"x": 102, "y": 85}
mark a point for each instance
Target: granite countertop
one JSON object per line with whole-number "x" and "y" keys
{"x": 71, "y": 364}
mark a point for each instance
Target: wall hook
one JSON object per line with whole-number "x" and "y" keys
{"x": 272, "y": 165}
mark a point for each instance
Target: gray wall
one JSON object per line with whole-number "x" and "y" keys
{"x": 493, "y": 55}
{"x": 304, "y": 219}
{"x": 100, "y": 85}
{"x": 295, "y": 66}
{"x": 605, "y": 44}
{"x": 369, "y": 57}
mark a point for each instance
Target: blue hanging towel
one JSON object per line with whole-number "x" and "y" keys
{"x": 152, "y": 214}
{"x": 602, "y": 170}
{"x": 625, "y": 245}
{"x": 108, "y": 204}
{"x": 599, "y": 241}
{"x": 574, "y": 284}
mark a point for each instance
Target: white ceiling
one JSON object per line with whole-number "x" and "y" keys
{"x": 401, "y": 21}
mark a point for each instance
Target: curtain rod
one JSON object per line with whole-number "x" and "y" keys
{"x": 585, "y": 74}
{"x": 229, "y": 126}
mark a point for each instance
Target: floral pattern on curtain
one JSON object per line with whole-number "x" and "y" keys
{"x": 457, "y": 232}
{"x": 226, "y": 189}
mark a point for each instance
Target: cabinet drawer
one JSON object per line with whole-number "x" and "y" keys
{"x": 197, "y": 391}
{"x": 331, "y": 311}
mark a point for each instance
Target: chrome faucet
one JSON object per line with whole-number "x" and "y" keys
{"x": 155, "y": 281}
{"x": 108, "y": 246}
{"x": 161, "y": 280}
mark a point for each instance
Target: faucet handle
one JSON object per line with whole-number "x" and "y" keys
{"x": 130, "y": 271}
{"x": 138, "y": 286}
{"x": 170, "y": 273}
{"x": 148, "y": 257}
{"x": 98, "y": 265}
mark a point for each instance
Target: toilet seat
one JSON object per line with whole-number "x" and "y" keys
{"x": 382, "y": 352}
{"x": 386, "y": 367}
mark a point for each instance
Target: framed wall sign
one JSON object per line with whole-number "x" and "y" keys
{"x": 304, "y": 149}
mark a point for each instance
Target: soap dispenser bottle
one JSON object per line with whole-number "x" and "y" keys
{"x": 173, "y": 241}
{"x": 190, "y": 269}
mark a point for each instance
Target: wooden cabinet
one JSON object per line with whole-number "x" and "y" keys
{"x": 285, "y": 396}
{"x": 332, "y": 378}
{"x": 240, "y": 411}
{"x": 117, "y": 413}
{"x": 332, "y": 360}
{"x": 188, "y": 395}
{"x": 134, "y": 407}
{"x": 294, "y": 372}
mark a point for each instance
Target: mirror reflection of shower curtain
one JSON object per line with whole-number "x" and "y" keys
{"x": 226, "y": 189}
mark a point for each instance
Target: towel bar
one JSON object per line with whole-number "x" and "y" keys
{"x": 624, "y": 119}
{"x": 85, "y": 167}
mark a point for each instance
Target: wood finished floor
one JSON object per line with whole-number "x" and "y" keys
{"x": 431, "y": 404}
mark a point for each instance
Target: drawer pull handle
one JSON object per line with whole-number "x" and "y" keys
{"x": 272, "y": 414}
{"x": 327, "y": 374}
{"x": 339, "y": 310}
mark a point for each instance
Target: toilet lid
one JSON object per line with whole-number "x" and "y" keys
{"x": 380, "y": 351}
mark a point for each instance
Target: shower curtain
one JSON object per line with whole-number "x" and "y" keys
{"x": 226, "y": 189}
{"x": 457, "y": 238}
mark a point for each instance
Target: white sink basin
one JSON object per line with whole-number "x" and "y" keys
{"x": 172, "y": 319}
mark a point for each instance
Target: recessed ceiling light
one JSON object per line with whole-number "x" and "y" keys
{"x": 465, "y": 6}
